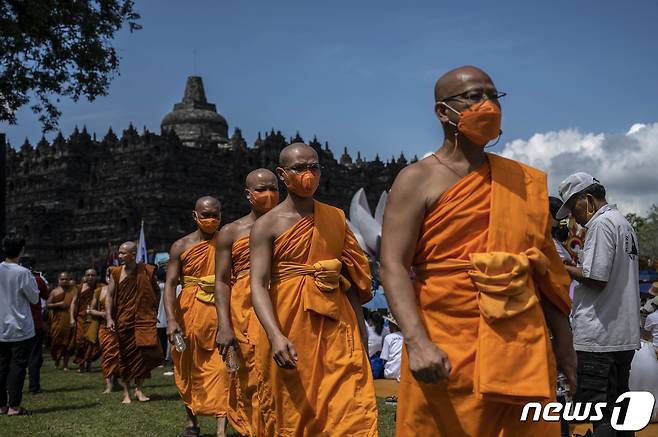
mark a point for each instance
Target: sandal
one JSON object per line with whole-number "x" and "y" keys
{"x": 21, "y": 412}
{"x": 191, "y": 431}
{"x": 391, "y": 400}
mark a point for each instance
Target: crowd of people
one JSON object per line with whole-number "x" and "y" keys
{"x": 263, "y": 318}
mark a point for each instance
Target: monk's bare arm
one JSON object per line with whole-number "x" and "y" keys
{"x": 223, "y": 265}
{"x": 55, "y": 306}
{"x": 171, "y": 282}
{"x": 353, "y": 297}
{"x": 403, "y": 218}
{"x": 93, "y": 312}
{"x": 261, "y": 241}
{"x": 109, "y": 302}
{"x": 73, "y": 309}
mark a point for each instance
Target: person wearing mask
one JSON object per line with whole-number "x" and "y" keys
{"x": 18, "y": 289}
{"x": 559, "y": 230}
{"x": 606, "y": 302}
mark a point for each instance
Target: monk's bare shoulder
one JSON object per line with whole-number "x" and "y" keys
{"x": 423, "y": 181}
{"x": 181, "y": 245}
{"x": 229, "y": 234}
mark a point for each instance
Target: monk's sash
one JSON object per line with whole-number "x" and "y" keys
{"x": 205, "y": 287}
{"x": 503, "y": 280}
{"x": 327, "y": 279}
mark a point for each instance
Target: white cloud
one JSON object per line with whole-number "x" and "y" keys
{"x": 626, "y": 164}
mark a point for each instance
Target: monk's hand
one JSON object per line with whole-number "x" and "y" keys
{"x": 225, "y": 339}
{"x": 109, "y": 324}
{"x": 172, "y": 328}
{"x": 71, "y": 323}
{"x": 567, "y": 363}
{"x": 428, "y": 363}
{"x": 283, "y": 352}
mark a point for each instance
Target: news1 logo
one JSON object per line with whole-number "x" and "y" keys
{"x": 638, "y": 413}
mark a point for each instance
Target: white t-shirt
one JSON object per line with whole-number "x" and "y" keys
{"x": 18, "y": 289}
{"x": 375, "y": 341}
{"x": 651, "y": 325}
{"x": 608, "y": 319}
{"x": 392, "y": 354}
{"x": 162, "y": 314}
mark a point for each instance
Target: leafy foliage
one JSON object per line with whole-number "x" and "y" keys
{"x": 647, "y": 232}
{"x": 52, "y": 48}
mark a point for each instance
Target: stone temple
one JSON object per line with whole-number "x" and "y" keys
{"x": 77, "y": 198}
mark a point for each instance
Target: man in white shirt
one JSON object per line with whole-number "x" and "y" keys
{"x": 18, "y": 289}
{"x": 392, "y": 350}
{"x": 606, "y": 302}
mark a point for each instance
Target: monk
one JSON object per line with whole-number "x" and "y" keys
{"x": 308, "y": 281}
{"x": 132, "y": 300}
{"x": 86, "y": 351}
{"x": 488, "y": 285}
{"x": 62, "y": 319}
{"x": 200, "y": 374}
{"x": 238, "y": 325}
{"x": 107, "y": 340}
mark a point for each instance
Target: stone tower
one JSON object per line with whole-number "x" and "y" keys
{"x": 195, "y": 121}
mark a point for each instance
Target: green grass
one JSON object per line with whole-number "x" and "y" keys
{"x": 72, "y": 405}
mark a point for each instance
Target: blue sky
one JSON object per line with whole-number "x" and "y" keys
{"x": 361, "y": 73}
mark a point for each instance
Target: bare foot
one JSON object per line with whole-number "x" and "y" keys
{"x": 107, "y": 391}
{"x": 126, "y": 399}
{"x": 66, "y": 369}
{"x": 141, "y": 397}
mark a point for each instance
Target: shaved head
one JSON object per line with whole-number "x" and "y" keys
{"x": 456, "y": 81}
{"x": 206, "y": 202}
{"x": 258, "y": 176}
{"x": 130, "y": 246}
{"x": 297, "y": 152}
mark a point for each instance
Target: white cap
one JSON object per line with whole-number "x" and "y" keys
{"x": 571, "y": 186}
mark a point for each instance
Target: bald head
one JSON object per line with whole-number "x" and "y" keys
{"x": 206, "y": 202}
{"x": 259, "y": 177}
{"x": 459, "y": 80}
{"x": 297, "y": 153}
{"x": 129, "y": 246}
{"x": 91, "y": 276}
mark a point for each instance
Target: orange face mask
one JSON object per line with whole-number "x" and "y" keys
{"x": 303, "y": 184}
{"x": 207, "y": 225}
{"x": 479, "y": 123}
{"x": 263, "y": 201}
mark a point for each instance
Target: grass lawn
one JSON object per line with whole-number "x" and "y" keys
{"x": 72, "y": 405}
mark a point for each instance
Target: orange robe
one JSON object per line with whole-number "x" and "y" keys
{"x": 85, "y": 350}
{"x": 135, "y": 306}
{"x": 484, "y": 260}
{"x": 61, "y": 333}
{"x": 109, "y": 347}
{"x": 201, "y": 376}
{"x": 243, "y": 412}
{"x": 331, "y": 391}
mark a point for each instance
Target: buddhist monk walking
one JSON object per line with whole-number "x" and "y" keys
{"x": 86, "y": 350}
{"x": 308, "y": 280}
{"x": 200, "y": 374}
{"x": 238, "y": 324}
{"x": 62, "y": 319}
{"x": 107, "y": 340}
{"x": 489, "y": 283}
{"x": 132, "y": 300}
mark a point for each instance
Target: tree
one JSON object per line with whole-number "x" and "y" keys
{"x": 647, "y": 232}
{"x": 52, "y": 48}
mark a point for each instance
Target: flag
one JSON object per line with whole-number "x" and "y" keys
{"x": 142, "y": 254}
